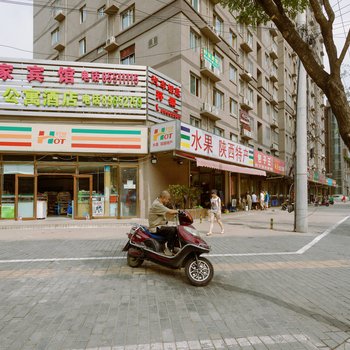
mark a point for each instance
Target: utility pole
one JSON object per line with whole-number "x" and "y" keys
{"x": 301, "y": 202}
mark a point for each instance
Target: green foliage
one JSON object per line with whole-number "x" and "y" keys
{"x": 250, "y": 12}
{"x": 183, "y": 196}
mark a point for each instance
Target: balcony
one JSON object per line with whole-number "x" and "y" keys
{"x": 59, "y": 46}
{"x": 59, "y": 15}
{"x": 246, "y": 104}
{"x": 111, "y": 44}
{"x": 246, "y": 76}
{"x": 111, "y": 7}
{"x": 246, "y": 133}
{"x": 274, "y": 147}
{"x": 210, "y": 33}
{"x": 246, "y": 45}
{"x": 210, "y": 112}
{"x": 209, "y": 71}
{"x": 273, "y": 51}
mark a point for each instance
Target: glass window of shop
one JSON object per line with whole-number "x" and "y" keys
{"x": 25, "y": 190}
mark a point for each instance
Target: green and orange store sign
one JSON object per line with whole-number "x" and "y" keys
{"x": 73, "y": 138}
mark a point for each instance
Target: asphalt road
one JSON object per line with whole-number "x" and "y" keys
{"x": 273, "y": 289}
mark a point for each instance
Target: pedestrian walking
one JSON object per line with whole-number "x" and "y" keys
{"x": 266, "y": 199}
{"x": 215, "y": 212}
{"x": 249, "y": 201}
{"x": 254, "y": 201}
{"x": 262, "y": 200}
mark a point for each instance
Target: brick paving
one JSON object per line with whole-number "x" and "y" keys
{"x": 263, "y": 295}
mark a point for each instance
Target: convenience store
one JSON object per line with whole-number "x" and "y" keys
{"x": 74, "y": 137}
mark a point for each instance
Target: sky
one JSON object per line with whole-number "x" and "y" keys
{"x": 16, "y": 27}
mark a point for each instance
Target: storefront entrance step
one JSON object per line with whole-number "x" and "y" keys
{"x": 48, "y": 224}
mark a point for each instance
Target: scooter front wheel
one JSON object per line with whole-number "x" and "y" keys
{"x": 199, "y": 271}
{"x": 133, "y": 261}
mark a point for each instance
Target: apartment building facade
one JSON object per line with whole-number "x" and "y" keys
{"x": 238, "y": 82}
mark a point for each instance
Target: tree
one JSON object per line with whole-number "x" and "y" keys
{"x": 283, "y": 13}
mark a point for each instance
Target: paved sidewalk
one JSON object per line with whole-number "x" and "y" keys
{"x": 241, "y": 223}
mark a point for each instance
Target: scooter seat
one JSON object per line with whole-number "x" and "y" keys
{"x": 153, "y": 235}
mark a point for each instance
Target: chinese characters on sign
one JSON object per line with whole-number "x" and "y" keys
{"x": 200, "y": 142}
{"x": 67, "y": 75}
{"x": 83, "y": 90}
{"x": 269, "y": 163}
{"x": 46, "y": 98}
{"x": 165, "y": 95}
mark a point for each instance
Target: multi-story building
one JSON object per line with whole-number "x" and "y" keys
{"x": 337, "y": 155}
{"x": 238, "y": 82}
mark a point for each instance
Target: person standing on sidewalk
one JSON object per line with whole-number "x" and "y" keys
{"x": 266, "y": 199}
{"x": 262, "y": 200}
{"x": 249, "y": 201}
{"x": 215, "y": 212}
{"x": 254, "y": 201}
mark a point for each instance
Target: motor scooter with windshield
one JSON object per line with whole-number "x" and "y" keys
{"x": 189, "y": 247}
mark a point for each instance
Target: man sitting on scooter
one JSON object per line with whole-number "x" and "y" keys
{"x": 157, "y": 220}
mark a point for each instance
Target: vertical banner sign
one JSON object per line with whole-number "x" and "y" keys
{"x": 164, "y": 97}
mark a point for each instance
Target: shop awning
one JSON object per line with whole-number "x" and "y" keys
{"x": 229, "y": 167}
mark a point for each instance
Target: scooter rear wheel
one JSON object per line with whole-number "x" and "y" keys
{"x": 133, "y": 261}
{"x": 199, "y": 273}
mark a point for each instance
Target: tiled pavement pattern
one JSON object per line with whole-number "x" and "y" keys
{"x": 254, "y": 302}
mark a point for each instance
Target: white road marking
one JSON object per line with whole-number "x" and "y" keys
{"x": 298, "y": 252}
{"x": 318, "y": 238}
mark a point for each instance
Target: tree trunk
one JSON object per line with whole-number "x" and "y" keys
{"x": 336, "y": 95}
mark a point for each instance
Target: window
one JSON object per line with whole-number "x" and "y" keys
{"x": 218, "y": 25}
{"x": 194, "y": 85}
{"x": 82, "y": 47}
{"x": 250, "y": 39}
{"x": 250, "y": 67}
{"x": 233, "y": 39}
{"x": 83, "y": 14}
{"x": 195, "y": 122}
{"x": 233, "y": 137}
{"x": 250, "y": 95}
{"x": 195, "y": 41}
{"x": 55, "y": 36}
{"x": 220, "y": 61}
{"x": 268, "y": 110}
{"x": 195, "y": 4}
{"x": 128, "y": 17}
{"x": 101, "y": 12}
{"x": 218, "y": 131}
{"x": 233, "y": 74}
{"x": 127, "y": 56}
{"x": 218, "y": 99}
{"x": 233, "y": 107}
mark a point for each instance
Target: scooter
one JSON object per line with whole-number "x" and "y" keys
{"x": 189, "y": 246}
{"x": 288, "y": 206}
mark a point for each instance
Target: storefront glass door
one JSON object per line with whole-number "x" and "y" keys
{"x": 82, "y": 196}
{"x": 25, "y": 190}
{"x": 128, "y": 192}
